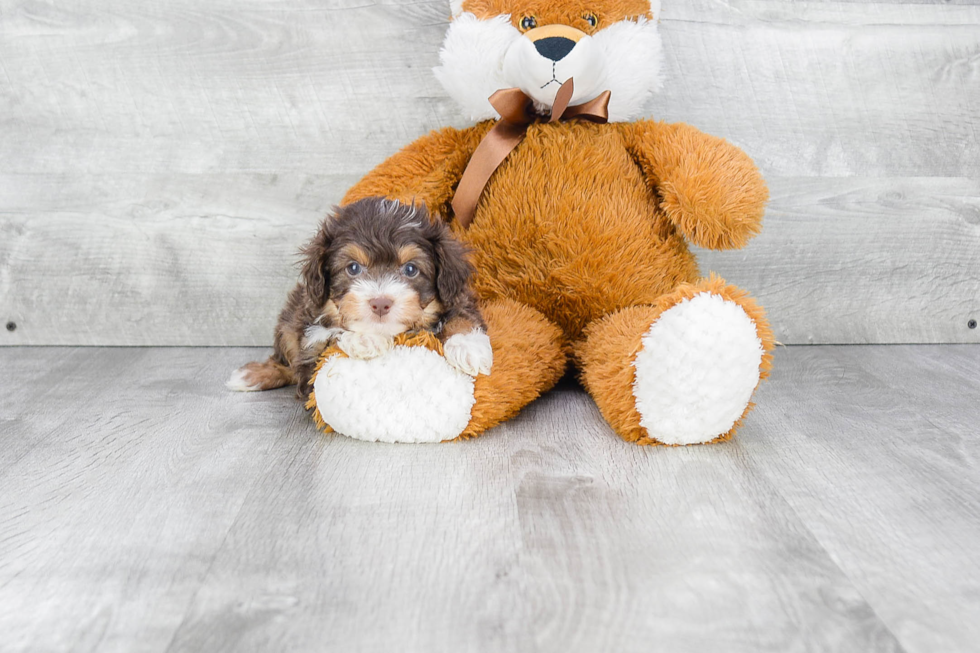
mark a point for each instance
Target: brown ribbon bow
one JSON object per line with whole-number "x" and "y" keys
{"x": 516, "y": 113}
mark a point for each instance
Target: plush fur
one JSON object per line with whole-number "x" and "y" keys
{"x": 408, "y": 395}
{"x": 582, "y": 233}
{"x": 613, "y": 348}
{"x": 486, "y": 49}
{"x": 430, "y": 399}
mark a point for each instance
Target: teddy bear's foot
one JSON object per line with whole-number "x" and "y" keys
{"x": 680, "y": 372}
{"x": 414, "y": 394}
{"x": 696, "y": 370}
{"x": 409, "y": 394}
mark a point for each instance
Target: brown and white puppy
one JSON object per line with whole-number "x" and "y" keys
{"x": 375, "y": 269}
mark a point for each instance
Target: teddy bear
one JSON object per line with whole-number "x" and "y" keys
{"x": 578, "y": 213}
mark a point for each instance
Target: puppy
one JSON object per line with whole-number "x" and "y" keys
{"x": 375, "y": 269}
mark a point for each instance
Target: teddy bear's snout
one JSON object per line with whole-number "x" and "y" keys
{"x": 554, "y": 47}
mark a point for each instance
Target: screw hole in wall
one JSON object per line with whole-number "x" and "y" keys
{"x": 972, "y": 324}
{"x": 11, "y": 326}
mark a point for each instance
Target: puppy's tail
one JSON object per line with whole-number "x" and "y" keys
{"x": 260, "y": 376}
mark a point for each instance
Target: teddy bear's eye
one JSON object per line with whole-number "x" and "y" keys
{"x": 528, "y": 22}
{"x": 591, "y": 19}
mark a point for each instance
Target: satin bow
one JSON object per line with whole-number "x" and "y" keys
{"x": 516, "y": 113}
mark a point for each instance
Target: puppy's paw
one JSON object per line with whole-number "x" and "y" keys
{"x": 317, "y": 338}
{"x": 364, "y": 345}
{"x": 470, "y": 353}
{"x": 259, "y": 376}
{"x": 243, "y": 380}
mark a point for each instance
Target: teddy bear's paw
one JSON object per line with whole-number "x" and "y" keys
{"x": 364, "y": 345}
{"x": 470, "y": 353}
{"x": 410, "y": 394}
{"x": 698, "y": 366}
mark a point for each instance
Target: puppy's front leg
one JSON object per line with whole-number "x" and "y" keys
{"x": 304, "y": 374}
{"x": 364, "y": 345}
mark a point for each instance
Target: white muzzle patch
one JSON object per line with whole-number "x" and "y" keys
{"x": 540, "y": 77}
{"x": 480, "y": 57}
{"x": 365, "y": 321}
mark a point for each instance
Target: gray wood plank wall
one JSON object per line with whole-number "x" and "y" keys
{"x": 160, "y": 162}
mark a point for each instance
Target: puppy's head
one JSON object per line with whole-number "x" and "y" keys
{"x": 384, "y": 267}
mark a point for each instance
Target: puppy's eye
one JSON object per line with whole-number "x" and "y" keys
{"x": 529, "y": 22}
{"x": 410, "y": 270}
{"x": 354, "y": 269}
{"x": 591, "y": 19}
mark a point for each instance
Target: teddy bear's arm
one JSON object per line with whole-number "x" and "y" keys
{"x": 426, "y": 170}
{"x": 710, "y": 189}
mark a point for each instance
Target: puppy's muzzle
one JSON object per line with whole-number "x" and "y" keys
{"x": 381, "y": 305}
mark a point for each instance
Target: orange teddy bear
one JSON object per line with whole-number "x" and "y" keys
{"x": 578, "y": 214}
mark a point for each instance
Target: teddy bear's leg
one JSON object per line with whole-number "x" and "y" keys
{"x": 528, "y": 359}
{"x": 412, "y": 394}
{"x": 681, "y": 371}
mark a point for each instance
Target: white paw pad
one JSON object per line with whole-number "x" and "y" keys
{"x": 697, "y": 369}
{"x": 470, "y": 353}
{"x": 364, "y": 345}
{"x": 410, "y": 394}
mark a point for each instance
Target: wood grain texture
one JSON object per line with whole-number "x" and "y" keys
{"x": 829, "y": 89}
{"x": 124, "y": 484}
{"x": 876, "y": 450}
{"x": 865, "y": 260}
{"x": 553, "y": 535}
{"x": 847, "y": 261}
{"x": 160, "y": 163}
{"x": 181, "y": 260}
{"x": 148, "y": 509}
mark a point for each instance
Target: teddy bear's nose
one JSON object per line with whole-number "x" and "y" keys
{"x": 554, "y": 47}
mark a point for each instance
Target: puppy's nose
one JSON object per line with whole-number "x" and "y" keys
{"x": 381, "y": 305}
{"x": 554, "y": 47}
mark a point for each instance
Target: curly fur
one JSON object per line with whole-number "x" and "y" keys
{"x": 328, "y": 303}
{"x": 582, "y": 232}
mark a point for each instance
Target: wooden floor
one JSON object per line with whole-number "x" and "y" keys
{"x": 145, "y": 508}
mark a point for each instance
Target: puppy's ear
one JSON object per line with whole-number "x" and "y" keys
{"x": 316, "y": 262}
{"x": 453, "y": 269}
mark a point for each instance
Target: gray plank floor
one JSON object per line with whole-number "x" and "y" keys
{"x": 144, "y": 508}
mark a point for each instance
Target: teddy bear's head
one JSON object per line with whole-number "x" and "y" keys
{"x": 536, "y": 45}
